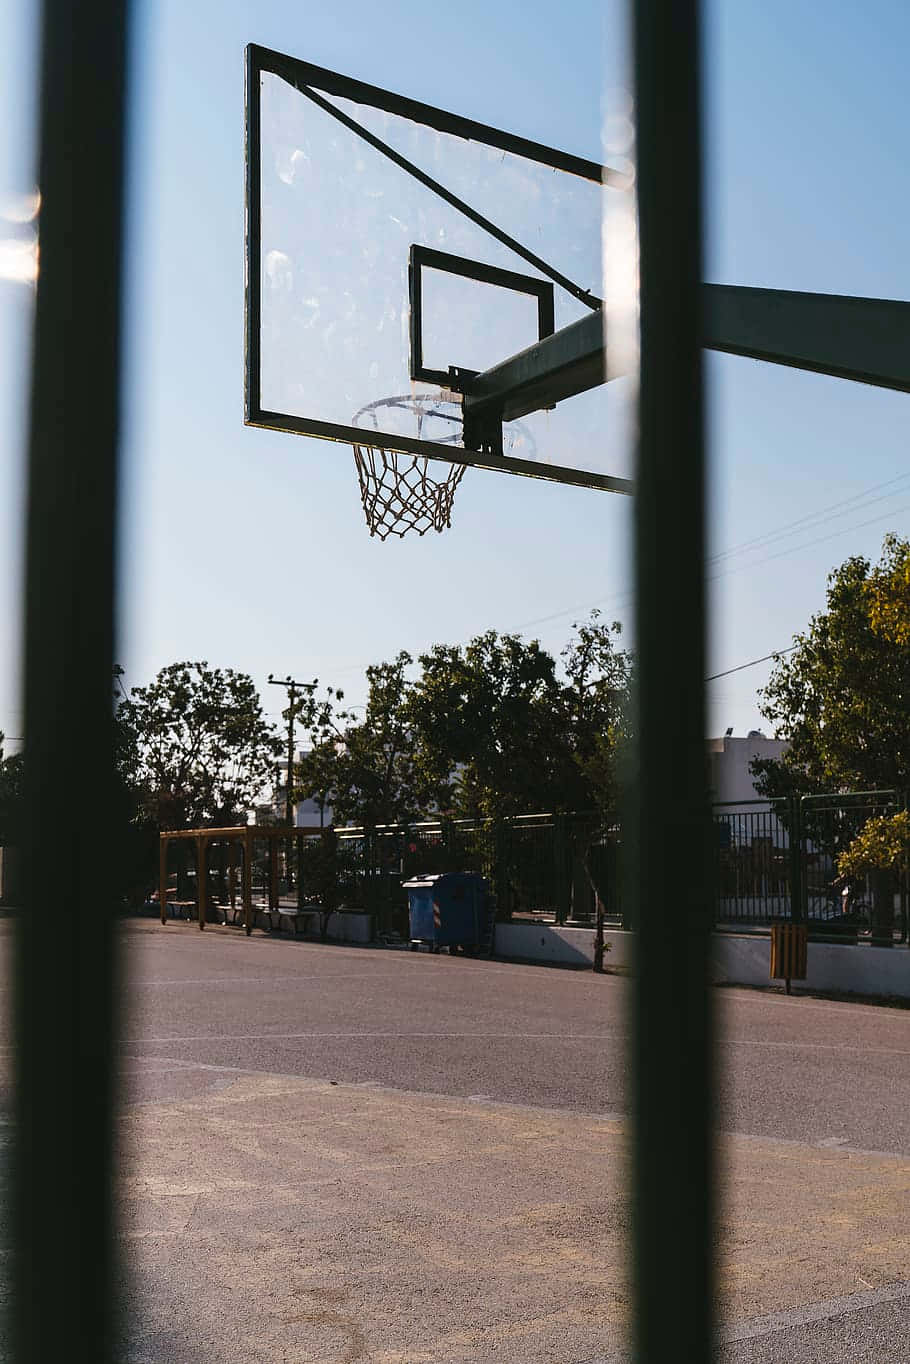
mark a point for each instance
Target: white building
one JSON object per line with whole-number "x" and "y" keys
{"x": 730, "y": 777}
{"x": 308, "y": 814}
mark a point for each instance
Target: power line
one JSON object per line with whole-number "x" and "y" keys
{"x": 832, "y": 535}
{"x": 831, "y": 512}
{"x": 818, "y": 518}
{"x": 778, "y": 653}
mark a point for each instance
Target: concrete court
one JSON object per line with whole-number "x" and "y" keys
{"x": 342, "y": 1154}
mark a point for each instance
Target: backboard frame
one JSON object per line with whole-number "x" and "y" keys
{"x": 315, "y": 82}
{"x": 427, "y": 258}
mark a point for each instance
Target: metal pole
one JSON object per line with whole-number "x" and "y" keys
{"x": 65, "y": 1000}
{"x": 248, "y": 882}
{"x": 670, "y": 823}
{"x": 202, "y": 888}
{"x": 162, "y": 877}
{"x": 288, "y": 798}
{"x": 292, "y": 687}
{"x": 232, "y": 877}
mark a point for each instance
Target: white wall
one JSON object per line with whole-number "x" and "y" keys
{"x": 730, "y": 757}
{"x": 735, "y": 959}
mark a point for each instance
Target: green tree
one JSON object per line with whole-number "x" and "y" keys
{"x": 889, "y": 592}
{"x": 879, "y": 854}
{"x": 496, "y": 722}
{"x": 841, "y": 697}
{"x": 883, "y": 844}
{"x": 12, "y": 773}
{"x": 194, "y": 746}
{"x": 367, "y": 767}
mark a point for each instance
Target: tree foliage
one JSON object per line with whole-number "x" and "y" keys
{"x": 888, "y": 591}
{"x": 841, "y": 697}
{"x": 500, "y": 728}
{"x": 883, "y": 844}
{"x": 488, "y": 729}
{"x": 195, "y": 746}
{"x": 12, "y": 773}
{"x": 367, "y": 768}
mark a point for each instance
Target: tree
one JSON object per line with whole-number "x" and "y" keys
{"x": 599, "y": 704}
{"x": 195, "y": 746}
{"x": 495, "y": 720}
{"x": 880, "y": 853}
{"x": 841, "y": 697}
{"x": 514, "y": 736}
{"x": 883, "y": 844}
{"x": 889, "y": 592}
{"x": 12, "y": 772}
{"x": 367, "y": 768}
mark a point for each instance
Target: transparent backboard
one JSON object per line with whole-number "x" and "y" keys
{"x": 398, "y": 255}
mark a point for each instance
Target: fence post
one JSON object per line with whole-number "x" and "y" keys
{"x": 798, "y": 905}
{"x": 162, "y": 876}
{"x": 248, "y": 881}
{"x": 503, "y": 886}
{"x": 232, "y": 875}
{"x": 560, "y": 857}
{"x": 201, "y": 880}
{"x": 274, "y": 890}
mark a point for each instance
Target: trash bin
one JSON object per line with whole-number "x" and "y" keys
{"x": 788, "y": 952}
{"x": 452, "y": 909}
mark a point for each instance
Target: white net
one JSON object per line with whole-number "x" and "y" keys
{"x": 402, "y": 492}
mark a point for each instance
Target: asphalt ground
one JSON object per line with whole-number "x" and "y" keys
{"x": 342, "y": 1154}
{"x": 796, "y": 1068}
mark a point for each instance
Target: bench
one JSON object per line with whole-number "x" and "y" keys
{"x": 295, "y": 918}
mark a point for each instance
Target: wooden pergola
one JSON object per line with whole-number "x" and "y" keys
{"x": 243, "y": 836}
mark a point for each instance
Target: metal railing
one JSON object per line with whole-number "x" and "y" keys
{"x": 542, "y": 867}
{"x": 777, "y": 860}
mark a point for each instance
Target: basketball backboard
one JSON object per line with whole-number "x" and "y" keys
{"x": 422, "y": 283}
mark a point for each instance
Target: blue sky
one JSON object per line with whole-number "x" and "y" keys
{"x": 248, "y": 547}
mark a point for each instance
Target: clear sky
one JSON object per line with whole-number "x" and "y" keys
{"x": 248, "y": 548}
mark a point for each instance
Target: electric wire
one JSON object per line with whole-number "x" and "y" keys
{"x": 813, "y": 519}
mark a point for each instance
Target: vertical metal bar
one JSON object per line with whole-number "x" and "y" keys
{"x": 162, "y": 876}
{"x": 252, "y": 301}
{"x": 415, "y": 299}
{"x": 248, "y": 882}
{"x": 798, "y": 888}
{"x": 671, "y": 811}
{"x": 232, "y": 876}
{"x": 274, "y": 898}
{"x": 201, "y": 881}
{"x": 65, "y": 1001}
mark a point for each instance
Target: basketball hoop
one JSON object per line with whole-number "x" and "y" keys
{"x": 402, "y": 492}
{"x": 408, "y": 492}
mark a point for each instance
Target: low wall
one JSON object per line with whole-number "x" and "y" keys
{"x": 860, "y": 970}
{"x": 735, "y": 959}
{"x": 564, "y": 946}
{"x": 350, "y": 926}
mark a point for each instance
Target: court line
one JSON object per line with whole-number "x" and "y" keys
{"x": 185, "y": 1066}
{"x": 512, "y": 1036}
{"x": 267, "y": 980}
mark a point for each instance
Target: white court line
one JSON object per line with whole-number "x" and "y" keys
{"x": 504, "y": 1036}
{"x": 267, "y": 980}
{"x": 302, "y": 1036}
{"x": 830, "y": 1309}
{"x": 183, "y": 1066}
{"x": 758, "y": 995}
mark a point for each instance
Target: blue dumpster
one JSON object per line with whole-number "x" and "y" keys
{"x": 453, "y": 909}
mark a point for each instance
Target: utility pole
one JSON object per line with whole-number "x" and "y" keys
{"x": 292, "y": 688}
